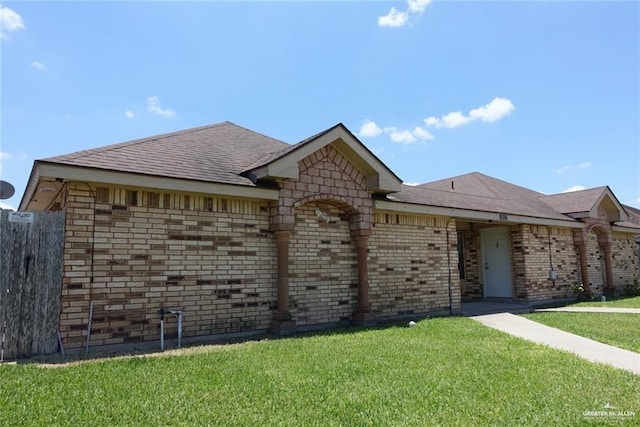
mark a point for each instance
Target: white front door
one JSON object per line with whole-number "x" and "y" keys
{"x": 497, "y": 263}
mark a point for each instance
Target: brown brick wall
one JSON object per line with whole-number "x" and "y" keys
{"x": 595, "y": 263}
{"x": 624, "y": 259}
{"x": 530, "y": 262}
{"x": 471, "y": 284}
{"x": 131, "y": 251}
{"x": 213, "y": 259}
{"x": 408, "y": 270}
{"x": 538, "y": 242}
{"x": 323, "y": 275}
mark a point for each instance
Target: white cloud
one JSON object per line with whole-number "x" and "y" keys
{"x": 396, "y": 18}
{"x": 400, "y": 136}
{"x": 566, "y": 168}
{"x": 153, "y": 106}
{"x": 422, "y": 133}
{"x": 406, "y": 136}
{"x": 370, "y": 129}
{"x": 418, "y": 6}
{"x": 493, "y": 111}
{"x": 38, "y": 66}
{"x": 9, "y": 21}
{"x": 432, "y": 121}
{"x": 411, "y": 184}
{"x": 129, "y": 114}
{"x": 574, "y": 188}
{"x": 454, "y": 120}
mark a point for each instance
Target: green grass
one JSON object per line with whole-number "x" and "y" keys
{"x": 627, "y": 302}
{"x": 618, "y": 329}
{"x": 449, "y": 371}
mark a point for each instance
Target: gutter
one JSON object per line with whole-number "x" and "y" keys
{"x": 468, "y": 214}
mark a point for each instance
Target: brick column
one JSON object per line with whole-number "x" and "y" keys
{"x": 609, "y": 288}
{"x": 282, "y": 324}
{"x": 584, "y": 269}
{"x": 363, "y": 315}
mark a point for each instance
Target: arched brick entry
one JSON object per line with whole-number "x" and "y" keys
{"x": 594, "y": 249}
{"x": 325, "y": 177}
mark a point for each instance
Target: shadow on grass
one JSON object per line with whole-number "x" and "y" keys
{"x": 205, "y": 344}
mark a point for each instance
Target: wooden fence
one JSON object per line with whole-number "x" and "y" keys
{"x": 31, "y": 260}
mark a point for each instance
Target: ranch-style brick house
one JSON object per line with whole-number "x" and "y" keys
{"x": 245, "y": 233}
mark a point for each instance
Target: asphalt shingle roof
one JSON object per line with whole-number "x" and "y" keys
{"x": 575, "y": 201}
{"x": 222, "y": 152}
{"x": 215, "y": 153}
{"x": 479, "y": 192}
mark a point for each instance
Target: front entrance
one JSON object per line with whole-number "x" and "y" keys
{"x": 497, "y": 263}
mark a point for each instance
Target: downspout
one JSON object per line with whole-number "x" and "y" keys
{"x": 552, "y": 272}
{"x": 91, "y": 272}
{"x": 449, "y": 267}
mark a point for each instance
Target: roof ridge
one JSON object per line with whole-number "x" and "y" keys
{"x": 601, "y": 187}
{"x": 488, "y": 182}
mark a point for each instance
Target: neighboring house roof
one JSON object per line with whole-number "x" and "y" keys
{"x": 634, "y": 214}
{"x": 215, "y": 153}
{"x": 585, "y": 203}
{"x": 575, "y": 201}
{"x": 479, "y": 192}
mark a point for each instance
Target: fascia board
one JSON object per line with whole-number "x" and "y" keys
{"x": 165, "y": 183}
{"x": 623, "y": 229}
{"x": 32, "y": 184}
{"x": 471, "y": 215}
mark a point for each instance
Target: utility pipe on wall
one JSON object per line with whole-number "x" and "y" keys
{"x": 178, "y": 314}
{"x": 89, "y": 327}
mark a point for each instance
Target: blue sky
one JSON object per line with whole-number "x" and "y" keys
{"x": 541, "y": 94}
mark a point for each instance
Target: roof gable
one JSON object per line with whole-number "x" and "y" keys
{"x": 586, "y": 203}
{"x": 284, "y": 164}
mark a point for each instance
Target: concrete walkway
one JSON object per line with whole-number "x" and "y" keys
{"x": 593, "y": 309}
{"x": 588, "y": 349}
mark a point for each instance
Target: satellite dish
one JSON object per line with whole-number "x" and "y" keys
{"x": 6, "y": 190}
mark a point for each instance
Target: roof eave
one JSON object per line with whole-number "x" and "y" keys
{"x": 106, "y": 176}
{"x": 625, "y": 229}
{"x": 30, "y": 189}
{"x": 473, "y": 215}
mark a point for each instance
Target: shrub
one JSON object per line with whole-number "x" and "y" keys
{"x": 632, "y": 289}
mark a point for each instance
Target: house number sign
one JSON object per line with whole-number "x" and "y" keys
{"x": 23, "y": 217}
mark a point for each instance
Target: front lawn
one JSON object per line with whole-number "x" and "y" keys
{"x": 448, "y": 371}
{"x": 624, "y": 302}
{"x": 618, "y": 329}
